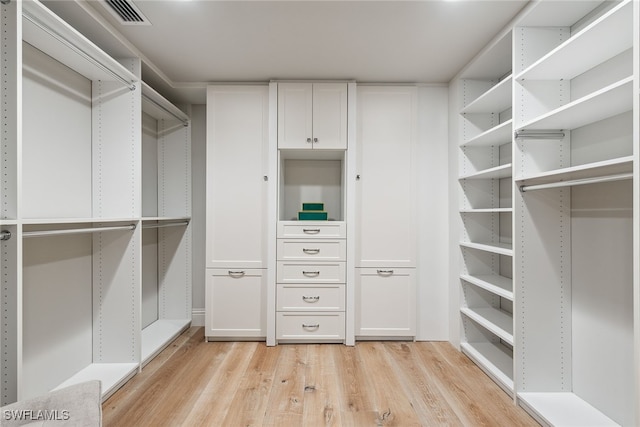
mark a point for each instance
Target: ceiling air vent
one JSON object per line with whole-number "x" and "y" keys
{"x": 126, "y": 12}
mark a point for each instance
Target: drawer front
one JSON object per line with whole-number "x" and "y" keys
{"x": 310, "y": 326}
{"x": 301, "y": 273}
{"x": 312, "y": 229}
{"x": 310, "y": 298}
{"x": 314, "y": 250}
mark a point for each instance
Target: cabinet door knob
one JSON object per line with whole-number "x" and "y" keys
{"x": 315, "y": 140}
{"x": 311, "y": 273}
{"x": 385, "y": 272}
{"x": 236, "y": 273}
{"x": 309, "y": 140}
{"x": 311, "y": 230}
{"x": 311, "y": 251}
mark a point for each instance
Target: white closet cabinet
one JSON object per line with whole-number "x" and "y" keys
{"x": 71, "y": 293}
{"x": 385, "y": 210}
{"x": 72, "y": 212}
{"x": 551, "y": 183}
{"x": 166, "y": 212}
{"x": 312, "y": 116}
{"x": 576, "y": 123}
{"x": 484, "y": 117}
{"x": 237, "y": 217}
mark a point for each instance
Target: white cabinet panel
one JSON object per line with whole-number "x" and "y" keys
{"x": 313, "y": 250}
{"x": 235, "y": 303}
{"x": 295, "y": 272}
{"x": 310, "y": 298}
{"x": 386, "y": 195}
{"x": 385, "y": 302}
{"x": 312, "y": 115}
{"x": 237, "y": 177}
{"x": 310, "y": 229}
{"x": 310, "y": 326}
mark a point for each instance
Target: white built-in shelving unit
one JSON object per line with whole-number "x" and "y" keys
{"x": 557, "y": 327}
{"x": 72, "y": 211}
{"x": 484, "y": 96}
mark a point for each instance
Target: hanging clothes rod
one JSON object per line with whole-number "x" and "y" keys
{"x": 5, "y": 235}
{"x": 168, "y": 224}
{"x": 163, "y": 108}
{"x": 77, "y": 230}
{"x": 543, "y": 134}
{"x": 44, "y": 27}
{"x": 573, "y": 182}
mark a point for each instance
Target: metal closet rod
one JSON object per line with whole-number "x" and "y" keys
{"x": 168, "y": 224}
{"x": 77, "y": 230}
{"x": 163, "y": 108}
{"x": 573, "y": 182}
{"x": 44, "y": 27}
{"x": 542, "y": 134}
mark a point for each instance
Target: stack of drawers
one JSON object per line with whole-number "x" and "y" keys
{"x": 311, "y": 281}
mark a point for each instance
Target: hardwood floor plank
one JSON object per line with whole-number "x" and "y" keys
{"x": 430, "y": 405}
{"x": 251, "y": 400}
{"x": 197, "y": 383}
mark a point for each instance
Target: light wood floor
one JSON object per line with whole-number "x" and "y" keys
{"x": 194, "y": 383}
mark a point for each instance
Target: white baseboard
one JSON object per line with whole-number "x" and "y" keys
{"x": 197, "y": 317}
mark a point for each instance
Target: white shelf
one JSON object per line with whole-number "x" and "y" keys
{"x": 61, "y": 221}
{"x": 158, "y": 107}
{"x": 498, "y": 322}
{"x": 495, "y": 359}
{"x": 44, "y": 30}
{"x": 610, "y": 101}
{"x": 496, "y": 248}
{"x": 160, "y": 334}
{"x": 589, "y": 170}
{"x": 564, "y": 409}
{"x": 165, "y": 218}
{"x": 487, "y": 210}
{"x": 111, "y": 375}
{"x": 495, "y": 100}
{"x": 498, "y": 135}
{"x": 603, "y": 39}
{"x": 498, "y": 172}
{"x": 498, "y": 285}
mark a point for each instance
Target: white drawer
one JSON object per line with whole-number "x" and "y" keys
{"x": 312, "y": 229}
{"x": 310, "y": 249}
{"x": 306, "y": 272}
{"x": 310, "y": 326}
{"x": 310, "y": 298}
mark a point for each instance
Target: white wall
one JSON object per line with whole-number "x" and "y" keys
{"x": 198, "y": 172}
{"x": 433, "y": 214}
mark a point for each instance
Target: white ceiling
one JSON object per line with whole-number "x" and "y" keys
{"x": 192, "y": 43}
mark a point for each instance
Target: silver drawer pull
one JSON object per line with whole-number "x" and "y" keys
{"x": 236, "y": 273}
{"x": 311, "y": 230}
{"x": 385, "y": 272}
{"x": 311, "y": 326}
{"x": 310, "y": 299}
{"x": 311, "y": 251}
{"x": 311, "y": 273}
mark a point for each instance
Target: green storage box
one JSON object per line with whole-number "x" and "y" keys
{"x": 312, "y": 216}
{"x": 313, "y": 206}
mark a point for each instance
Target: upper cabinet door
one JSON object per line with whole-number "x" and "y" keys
{"x": 330, "y": 116}
{"x": 386, "y": 187}
{"x": 312, "y": 116}
{"x": 237, "y": 171}
{"x": 295, "y": 115}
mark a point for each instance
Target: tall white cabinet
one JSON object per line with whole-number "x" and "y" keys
{"x": 72, "y": 217}
{"x": 237, "y": 219}
{"x": 385, "y": 219}
{"x": 555, "y": 193}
